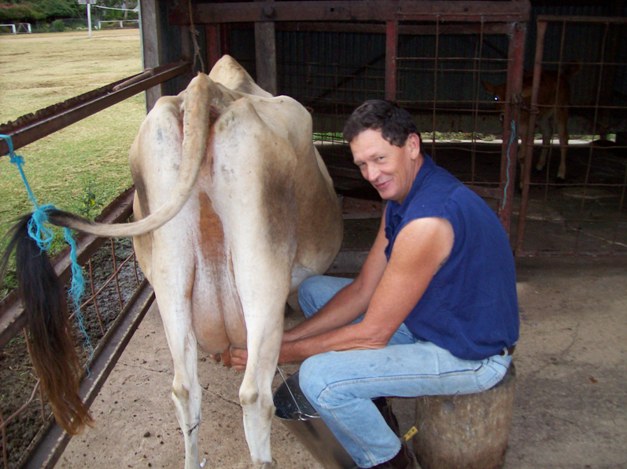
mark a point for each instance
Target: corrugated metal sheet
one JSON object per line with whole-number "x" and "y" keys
{"x": 340, "y": 69}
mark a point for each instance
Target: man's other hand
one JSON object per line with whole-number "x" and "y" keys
{"x": 237, "y": 358}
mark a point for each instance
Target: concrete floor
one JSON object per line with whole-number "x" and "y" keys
{"x": 570, "y": 405}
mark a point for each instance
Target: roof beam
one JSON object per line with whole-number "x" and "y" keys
{"x": 355, "y": 11}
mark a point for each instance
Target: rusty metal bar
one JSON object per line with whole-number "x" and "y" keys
{"x": 32, "y": 127}
{"x": 51, "y": 446}
{"x": 12, "y": 318}
{"x": 214, "y": 46}
{"x": 512, "y": 112}
{"x": 366, "y": 10}
{"x": 391, "y": 48}
{"x": 528, "y": 139}
{"x": 582, "y": 19}
{"x": 403, "y": 28}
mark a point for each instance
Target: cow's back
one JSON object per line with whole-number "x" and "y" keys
{"x": 263, "y": 205}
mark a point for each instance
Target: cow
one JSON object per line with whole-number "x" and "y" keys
{"x": 553, "y": 101}
{"x": 233, "y": 209}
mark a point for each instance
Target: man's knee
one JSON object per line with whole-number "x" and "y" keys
{"x": 307, "y": 295}
{"x": 311, "y": 378}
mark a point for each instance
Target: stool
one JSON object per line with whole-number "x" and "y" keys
{"x": 468, "y": 431}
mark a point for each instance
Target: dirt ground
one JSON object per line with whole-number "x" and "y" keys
{"x": 570, "y": 403}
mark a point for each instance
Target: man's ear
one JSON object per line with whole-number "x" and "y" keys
{"x": 413, "y": 142}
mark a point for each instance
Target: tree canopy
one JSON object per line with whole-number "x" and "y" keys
{"x": 50, "y": 10}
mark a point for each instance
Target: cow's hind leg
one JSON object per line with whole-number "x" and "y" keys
{"x": 255, "y": 197}
{"x": 256, "y": 389}
{"x": 186, "y": 391}
{"x": 525, "y": 147}
{"x": 562, "y": 129}
{"x": 186, "y": 394}
{"x": 546, "y": 127}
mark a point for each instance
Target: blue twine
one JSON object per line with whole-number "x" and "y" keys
{"x": 77, "y": 288}
{"x": 37, "y": 228}
{"x": 512, "y": 138}
{"x": 44, "y": 236}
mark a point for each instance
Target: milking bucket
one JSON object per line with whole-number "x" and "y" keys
{"x": 302, "y": 420}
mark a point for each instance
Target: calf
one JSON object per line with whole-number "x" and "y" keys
{"x": 553, "y": 103}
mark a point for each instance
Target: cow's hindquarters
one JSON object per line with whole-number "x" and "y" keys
{"x": 253, "y": 193}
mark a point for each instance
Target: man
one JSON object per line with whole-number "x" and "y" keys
{"x": 433, "y": 311}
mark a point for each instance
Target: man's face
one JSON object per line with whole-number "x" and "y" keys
{"x": 390, "y": 169}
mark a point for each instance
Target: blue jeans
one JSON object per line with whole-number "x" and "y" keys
{"x": 341, "y": 385}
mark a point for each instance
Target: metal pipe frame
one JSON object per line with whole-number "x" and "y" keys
{"x": 32, "y": 127}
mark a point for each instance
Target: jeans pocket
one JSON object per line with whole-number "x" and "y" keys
{"x": 492, "y": 371}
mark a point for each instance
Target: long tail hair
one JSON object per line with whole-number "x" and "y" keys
{"x": 50, "y": 334}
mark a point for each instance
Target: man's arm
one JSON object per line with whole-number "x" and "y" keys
{"x": 350, "y": 302}
{"x": 419, "y": 250}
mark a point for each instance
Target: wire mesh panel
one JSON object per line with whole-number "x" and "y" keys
{"x": 111, "y": 278}
{"x": 437, "y": 73}
{"x": 441, "y": 70}
{"x": 574, "y": 203}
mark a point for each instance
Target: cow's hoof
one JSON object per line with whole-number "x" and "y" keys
{"x": 268, "y": 465}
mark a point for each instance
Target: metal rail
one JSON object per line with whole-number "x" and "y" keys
{"x": 50, "y": 441}
{"x": 12, "y": 317}
{"x": 51, "y": 445}
{"x": 32, "y": 127}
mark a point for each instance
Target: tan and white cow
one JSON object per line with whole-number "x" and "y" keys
{"x": 234, "y": 209}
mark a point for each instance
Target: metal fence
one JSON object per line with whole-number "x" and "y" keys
{"x": 116, "y": 299}
{"x": 117, "y": 295}
{"x": 584, "y": 214}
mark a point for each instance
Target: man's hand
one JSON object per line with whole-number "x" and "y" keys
{"x": 237, "y": 358}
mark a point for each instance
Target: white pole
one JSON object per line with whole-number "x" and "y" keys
{"x": 89, "y": 17}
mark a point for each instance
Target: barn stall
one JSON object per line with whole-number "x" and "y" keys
{"x": 429, "y": 56}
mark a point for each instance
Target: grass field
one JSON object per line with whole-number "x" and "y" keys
{"x": 83, "y": 167}
{"x": 87, "y": 158}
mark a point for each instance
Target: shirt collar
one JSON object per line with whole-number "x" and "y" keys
{"x": 427, "y": 167}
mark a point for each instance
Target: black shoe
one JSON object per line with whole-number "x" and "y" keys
{"x": 404, "y": 459}
{"x": 386, "y": 410}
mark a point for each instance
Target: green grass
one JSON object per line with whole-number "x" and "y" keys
{"x": 85, "y": 166}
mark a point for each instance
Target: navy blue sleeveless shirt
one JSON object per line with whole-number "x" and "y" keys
{"x": 470, "y": 308}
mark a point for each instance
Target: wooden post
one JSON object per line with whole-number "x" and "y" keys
{"x": 150, "y": 33}
{"x": 265, "y": 51}
{"x": 391, "y": 48}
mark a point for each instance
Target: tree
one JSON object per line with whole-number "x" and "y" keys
{"x": 39, "y": 10}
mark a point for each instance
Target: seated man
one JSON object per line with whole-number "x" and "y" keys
{"x": 433, "y": 311}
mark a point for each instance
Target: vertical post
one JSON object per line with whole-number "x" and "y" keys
{"x": 88, "y": 18}
{"x": 516, "y": 55}
{"x": 525, "y": 176}
{"x": 151, "y": 44}
{"x": 391, "y": 49}
{"x": 265, "y": 51}
{"x": 214, "y": 47}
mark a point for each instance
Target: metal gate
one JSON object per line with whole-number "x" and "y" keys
{"x": 585, "y": 213}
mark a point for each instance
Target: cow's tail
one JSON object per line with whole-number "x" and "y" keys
{"x": 196, "y": 124}
{"x": 50, "y": 335}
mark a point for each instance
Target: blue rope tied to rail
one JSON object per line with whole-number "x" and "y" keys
{"x": 513, "y": 137}
{"x": 44, "y": 236}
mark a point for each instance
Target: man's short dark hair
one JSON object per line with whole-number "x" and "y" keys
{"x": 394, "y": 122}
